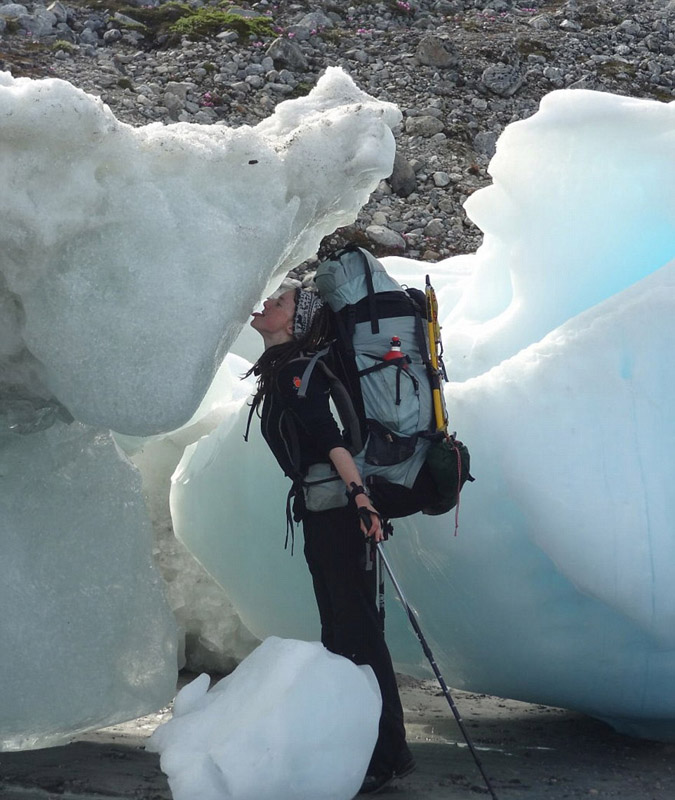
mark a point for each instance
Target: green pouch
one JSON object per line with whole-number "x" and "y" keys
{"x": 448, "y": 461}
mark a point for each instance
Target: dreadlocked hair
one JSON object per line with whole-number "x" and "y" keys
{"x": 275, "y": 358}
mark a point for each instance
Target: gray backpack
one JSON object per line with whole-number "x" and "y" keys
{"x": 383, "y": 397}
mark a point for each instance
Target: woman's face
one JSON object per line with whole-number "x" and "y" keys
{"x": 275, "y": 322}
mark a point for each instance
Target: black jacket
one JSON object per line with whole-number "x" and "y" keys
{"x": 299, "y": 431}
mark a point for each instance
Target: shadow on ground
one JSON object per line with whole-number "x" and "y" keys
{"x": 528, "y": 751}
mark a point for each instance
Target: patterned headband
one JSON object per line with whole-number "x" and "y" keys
{"x": 306, "y": 306}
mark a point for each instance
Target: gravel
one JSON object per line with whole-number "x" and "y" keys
{"x": 460, "y": 70}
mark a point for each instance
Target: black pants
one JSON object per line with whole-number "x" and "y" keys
{"x": 345, "y": 591}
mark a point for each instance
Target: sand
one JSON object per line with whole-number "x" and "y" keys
{"x": 528, "y": 751}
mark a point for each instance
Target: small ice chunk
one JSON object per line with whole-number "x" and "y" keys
{"x": 292, "y": 722}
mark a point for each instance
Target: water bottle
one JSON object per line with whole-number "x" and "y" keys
{"x": 395, "y": 352}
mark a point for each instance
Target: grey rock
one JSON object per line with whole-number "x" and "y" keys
{"x": 126, "y": 20}
{"x": 440, "y": 179}
{"x": 205, "y": 116}
{"x": 358, "y": 55}
{"x": 315, "y": 21}
{"x": 433, "y": 51}
{"x": 542, "y": 22}
{"x": 59, "y": 11}
{"x": 134, "y": 38}
{"x": 280, "y": 88}
{"x": 228, "y": 36}
{"x": 555, "y": 76}
{"x": 448, "y": 7}
{"x": 423, "y": 126}
{"x": 630, "y": 27}
{"x": 385, "y": 237}
{"x": 286, "y": 53}
{"x": 485, "y": 142}
{"x": 88, "y": 36}
{"x": 13, "y": 11}
{"x": 298, "y": 33}
{"x": 500, "y": 6}
{"x": 402, "y": 180}
{"x": 95, "y": 23}
{"x": 112, "y": 36}
{"x": 286, "y": 76}
{"x": 243, "y": 12}
{"x": 40, "y": 23}
{"x": 241, "y": 86}
{"x": 435, "y": 228}
{"x": 502, "y": 79}
{"x": 22, "y": 412}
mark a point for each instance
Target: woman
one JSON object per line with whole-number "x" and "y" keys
{"x": 292, "y": 324}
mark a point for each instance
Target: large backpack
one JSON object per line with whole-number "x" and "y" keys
{"x": 384, "y": 403}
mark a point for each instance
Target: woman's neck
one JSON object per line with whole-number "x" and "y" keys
{"x": 271, "y": 340}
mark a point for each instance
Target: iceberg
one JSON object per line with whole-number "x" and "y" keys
{"x": 87, "y": 637}
{"x": 559, "y": 587}
{"x": 131, "y": 257}
{"x": 129, "y": 260}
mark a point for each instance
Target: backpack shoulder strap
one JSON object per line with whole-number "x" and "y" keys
{"x": 343, "y": 402}
{"x": 309, "y": 369}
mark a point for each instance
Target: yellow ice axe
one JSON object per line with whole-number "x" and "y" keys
{"x": 436, "y": 358}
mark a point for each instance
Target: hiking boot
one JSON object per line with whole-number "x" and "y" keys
{"x": 405, "y": 765}
{"x": 374, "y": 782}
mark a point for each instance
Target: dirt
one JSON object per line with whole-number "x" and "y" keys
{"x": 528, "y": 751}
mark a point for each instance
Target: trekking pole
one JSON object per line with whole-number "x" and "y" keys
{"x": 437, "y": 672}
{"x": 380, "y": 592}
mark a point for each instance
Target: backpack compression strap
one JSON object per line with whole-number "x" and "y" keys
{"x": 370, "y": 288}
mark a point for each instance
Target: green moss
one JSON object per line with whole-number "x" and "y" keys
{"x": 664, "y": 95}
{"x": 472, "y": 25}
{"x": 612, "y": 69}
{"x": 303, "y": 88}
{"x": 532, "y": 47}
{"x": 155, "y": 17}
{"x": 333, "y": 35}
{"x": 157, "y": 21}
{"x": 63, "y": 44}
{"x": 131, "y": 25}
{"x": 125, "y": 83}
{"x": 210, "y": 21}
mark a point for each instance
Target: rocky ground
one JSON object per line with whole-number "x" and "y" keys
{"x": 529, "y": 752}
{"x": 460, "y": 70}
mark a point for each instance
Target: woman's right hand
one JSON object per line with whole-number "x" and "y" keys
{"x": 374, "y": 529}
